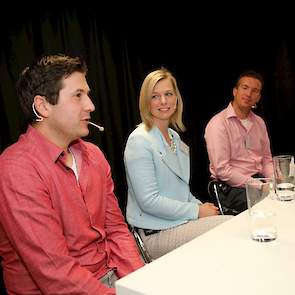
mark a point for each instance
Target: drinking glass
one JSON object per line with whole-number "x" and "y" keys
{"x": 261, "y": 207}
{"x": 284, "y": 170}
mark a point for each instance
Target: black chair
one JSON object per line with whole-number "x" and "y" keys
{"x": 215, "y": 188}
{"x": 140, "y": 244}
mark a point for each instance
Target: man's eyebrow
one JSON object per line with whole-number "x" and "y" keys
{"x": 82, "y": 90}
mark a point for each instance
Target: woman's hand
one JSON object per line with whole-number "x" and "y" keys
{"x": 208, "y": 209}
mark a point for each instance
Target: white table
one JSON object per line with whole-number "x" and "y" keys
{"x": 223, "y": 261}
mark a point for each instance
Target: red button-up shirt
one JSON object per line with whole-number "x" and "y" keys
{"x": 59, "y": 235}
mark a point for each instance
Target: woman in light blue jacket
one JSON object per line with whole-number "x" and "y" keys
{"x": 157, "y": 167}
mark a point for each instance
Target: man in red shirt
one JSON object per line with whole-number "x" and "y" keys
{"x": 61, "y": 229}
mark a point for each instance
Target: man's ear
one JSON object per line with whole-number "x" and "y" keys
{"x": 40, "y": 107}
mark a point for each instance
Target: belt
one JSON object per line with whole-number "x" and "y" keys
{"x": 149, "y": 232}
{"x": 258, "y": 175}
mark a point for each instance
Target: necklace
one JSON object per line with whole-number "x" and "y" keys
{"x": 172, "y": 144}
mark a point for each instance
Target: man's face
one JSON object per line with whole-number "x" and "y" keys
{"x": 68, "y": 119}
{"x": 247, "y": 93}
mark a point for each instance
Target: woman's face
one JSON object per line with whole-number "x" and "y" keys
{"x": 163, "y": 103}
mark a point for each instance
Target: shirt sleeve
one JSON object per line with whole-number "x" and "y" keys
{"x": 219, "y": 153}
{"x": 36, "y": 233}
{"x": 140, "y": 169}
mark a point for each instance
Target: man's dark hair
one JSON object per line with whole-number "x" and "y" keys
{"x": 251, "y": 74}
{"x": 44, "y": 77}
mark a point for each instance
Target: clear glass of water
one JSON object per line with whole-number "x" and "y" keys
{"x": 284, "y": 171}
{"x": 263, "y": 225}
{"x": 261, "y": 209}
{"x": 285, "y": 191}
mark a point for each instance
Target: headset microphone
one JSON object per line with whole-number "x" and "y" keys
{"x": 100, "y": 128}
{"x": 39, "y": 118}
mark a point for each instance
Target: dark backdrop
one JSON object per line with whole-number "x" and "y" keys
{"x": 119, "y": 54}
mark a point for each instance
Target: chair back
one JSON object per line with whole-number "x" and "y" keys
{"x": 214, "y": 191}
{"x": 140, "y": 244}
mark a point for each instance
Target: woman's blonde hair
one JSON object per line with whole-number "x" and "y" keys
{"x": 146, "y": 95}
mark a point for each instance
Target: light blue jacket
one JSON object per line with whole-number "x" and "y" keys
{"x": 158, "y": 181}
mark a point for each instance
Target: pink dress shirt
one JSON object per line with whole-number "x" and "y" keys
{"x": 59, "y": 235}
{"x": 237, "y": 153}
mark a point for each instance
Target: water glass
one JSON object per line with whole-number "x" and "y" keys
{"x": 261, "y": 208}
{"x": 284, "y": 170}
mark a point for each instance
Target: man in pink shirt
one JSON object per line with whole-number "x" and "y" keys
{"x": 61, "y": 229}
{"x": 238, "y": 144}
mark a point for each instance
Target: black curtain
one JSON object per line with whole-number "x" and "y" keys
{"x": 205, "y": 63}
{"x": 114, "y": 75}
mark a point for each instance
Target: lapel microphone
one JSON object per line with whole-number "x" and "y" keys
{"x": 100, "y": 128}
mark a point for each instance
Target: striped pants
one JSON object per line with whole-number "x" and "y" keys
{"x": 167, "y": 240}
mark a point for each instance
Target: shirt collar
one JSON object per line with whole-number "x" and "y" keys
{"x": 45, "y": 146}
{"x": 230, "y": 112}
